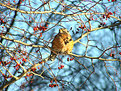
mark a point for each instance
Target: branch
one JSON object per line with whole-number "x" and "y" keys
{"x": 103, "y": 59}
{"x": 20, "y": 42}
{"x": 95, "y": 30}
{"x": 20, "y": 76}
{"x": 44, "y": 12}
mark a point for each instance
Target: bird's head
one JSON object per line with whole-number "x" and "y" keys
{"x": 63, "y": 30}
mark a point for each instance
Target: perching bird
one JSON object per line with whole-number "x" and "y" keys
{"x": 62, "y": 44}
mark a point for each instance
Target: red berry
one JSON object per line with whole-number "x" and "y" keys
{"x": 40, "y": 34}
{"x": 108, "y": 16}
{"x": 67, "y": 59}
{"x": 24, "y": 59}
{"x": 47, "y": 25}
{"x": 54, "y": 85}
{"x": 113, "y": 0}
{"x": 49, "y": 85}
{"x": 51, "y": 81}
{"x": 110, "y": 13}
{"x": 84, "y": 26}
{"x": 81, "y": 27}
{"x": 35, "y": 28}
{"x": 59, "y": 67}
{"x": 12, "y": 58}
{"x": 62, "y": 66}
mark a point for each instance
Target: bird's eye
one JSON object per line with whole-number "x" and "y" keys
{"x": 70, "y": 39}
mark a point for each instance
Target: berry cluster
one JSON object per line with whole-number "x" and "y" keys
{"x": 61, "y": 67}
{"x": 52, "y": 85}
{"x": 70, "y": 59}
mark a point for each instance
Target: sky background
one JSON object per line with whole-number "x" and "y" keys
{"x": 73, "y": 73}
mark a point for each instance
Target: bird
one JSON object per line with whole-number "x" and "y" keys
{"x": 62, "y": 44}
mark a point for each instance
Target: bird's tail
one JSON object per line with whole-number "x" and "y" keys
{"x": 52, "y": 56}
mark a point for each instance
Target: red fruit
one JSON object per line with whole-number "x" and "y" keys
{"x": 24, "y": 59}
{"x": 3, "y": 22}
{"x": 40, "y": 34}
{"x": 35, "y": 28}
{"x": 84, "y": 26}
{"x": 17, "y": 68}
{"x": 33, "y": 69}
{"x": 81, "y": 27}
{"x": 62, "y": 66}
{"x": 113, "y": 0}
{"x": 47, "y": 25}
{"x": 110, "y": 13}
{"x": 72, "y": 59}
{"x": 59, "y": 67}
{"x": 12, "y": 58}
{"x": 51, "y": 81}
{"x": 112, "y": 55}
{"x": 54, "y": 85}
{"x": 10, "y": 76}
{"x": 50, "y": 85}
{"x": 108, "y": 16}
{"x": 67, "y": 59}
